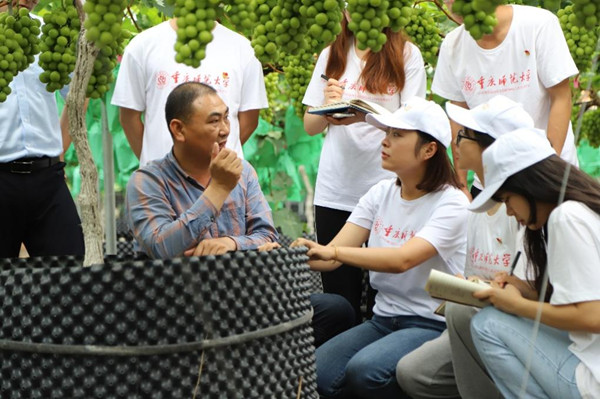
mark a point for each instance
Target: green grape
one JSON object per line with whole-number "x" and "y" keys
{"x": 425, "y": 33}
{"x": 400, "y": 13}
{"x": 368, "y": 18}
{"x": 195, "y": 22}
{"x": 273, "y": 90}
{"x": 19, "y": 43}
{"x": 590, "y": 127}
{"x": 323, "y": 21}
{"x": 264, "y": 36}
{"x": 479, "y": 16}
{"x": 298, "y": 72}
{"x": 239, "y": 14}
{"x": 587, "y": 13}
{"x": 581, "y": 41}
{"x": 58, "y": 47}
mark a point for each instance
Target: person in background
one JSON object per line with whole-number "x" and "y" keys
{"x": 525, "y": 58}
{"x": 562, "y": 242}
{"x": 36, "y": 207}
{"x": 149, "y": 72}
{"x": 350, "y": 159}
{"x": 415, "y": 222}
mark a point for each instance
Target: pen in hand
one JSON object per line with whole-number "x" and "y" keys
{"x": 324, "y": 77}
{"x": 514, "y": 264}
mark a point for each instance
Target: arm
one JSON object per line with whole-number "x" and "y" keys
{"x": 248, "y": 123}
{"x": 389, "y": 260}
{"x": 582, "y": 316}
{"x": 64, "y": 130}
{"x": 315, "y": 124}
{"x": 560, "y": 114}
{"x": 259, "y": 227}
{"x": 131, "y": 121}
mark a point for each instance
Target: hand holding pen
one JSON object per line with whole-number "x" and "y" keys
{"x": 333, "y": 90}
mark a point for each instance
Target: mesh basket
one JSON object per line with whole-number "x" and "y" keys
{"x": 230, "y": 326}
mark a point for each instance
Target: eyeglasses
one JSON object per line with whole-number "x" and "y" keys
{"x": 461, "y": 135}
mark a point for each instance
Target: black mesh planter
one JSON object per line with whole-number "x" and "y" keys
{"x": 231, "y": 326}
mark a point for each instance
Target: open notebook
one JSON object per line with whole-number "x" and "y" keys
{"x": 348, "y": 106}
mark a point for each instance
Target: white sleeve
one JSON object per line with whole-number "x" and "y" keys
{"x": 446, "y": 229}
{"x": 130, "y": 87}
{"x": 367, "y": 207}
{"x": 553, "y": 59}
{"x": 314, "y": 96}
{"x": 415, "y": 83}
{"x": 444, "y": 83}
{"x": 573, "y": 255}
{"x": 254, "y": 94}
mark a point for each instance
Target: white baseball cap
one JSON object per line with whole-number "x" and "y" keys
{"x": 416, "y": 114}
{"x": 510, "y": 153}
{"x": 495, "y": 117}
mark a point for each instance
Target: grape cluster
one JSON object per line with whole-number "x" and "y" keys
{"x": 273, "y": 91}
{"x": 425, "y": 33}
{"x": 104, "y": 27}
{"x": 323, "y": 20}
{"x": 367, "y": 21}
{"x": 590, "y": 127}
{"x": 19, "y": 43}
{"x": 195, "y": 22}
{"x": 58, "y": 47}
{"x": 298, "y": 72}
{"x": 238, "y": 12}
{"x": 400, "y": 14}
{"x": 290, "y": 26}
{"x": 581, "y": 41}
{"x": 587, "y": 12}
{"x": 479, "y": 16}
{"x": 264, "y": 36}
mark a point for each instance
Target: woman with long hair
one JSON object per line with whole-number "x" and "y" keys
{"x": 350, "y": 159}
{"x": 414, "y": 222}
{"x": 562, "y": 240}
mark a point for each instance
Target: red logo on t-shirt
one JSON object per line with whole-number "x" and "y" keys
{"x": 469, "y": 84}
{"x": 161, "y": 79}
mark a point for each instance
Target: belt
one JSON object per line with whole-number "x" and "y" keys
{"x": 28, "y": 165}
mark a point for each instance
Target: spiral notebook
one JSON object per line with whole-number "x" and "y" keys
{"x": 355, "y": 104}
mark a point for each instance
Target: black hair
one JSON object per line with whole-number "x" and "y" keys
{"x": 542, "y": 182}
{"x": 180, "y": 103}
{"x": 439, "y": 171}
{"x": 483, "y": 139}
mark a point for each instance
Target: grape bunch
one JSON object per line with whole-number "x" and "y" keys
{"x": 587, "y": 12}
{"x": 590, "y": 127}
{"x": 273, "y": 91}
{"x": 298, "y": 72}
{"x": 238, "y": 12}
{"x": 58, "y": 47}
{"x": 290, "y": 27}
{"x": 264, "y": 36}
{"x": 104, "y": 27}
{"x": 195, "y": 22}
{"x": 479, "y": 16}
{"x": 367, "y": 21}
{"x": 425, "y": 33}
{"x": 323, "y": 20}
{"x": 400, "y": 13}
{"x": 19, "y": 43}
{"x": 581, "y": 41}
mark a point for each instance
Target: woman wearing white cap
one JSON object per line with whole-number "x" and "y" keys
{"x": 414, "y": 222}
{"x": 350, "y": 159}
{"x": 563, "y": 239}
{"x": 437, "y": 368}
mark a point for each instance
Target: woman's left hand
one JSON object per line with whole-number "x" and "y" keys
{"x": 506, "y": 299}
{"x": 358, "y": 117}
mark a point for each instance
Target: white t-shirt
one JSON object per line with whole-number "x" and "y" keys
{"x": 533, "y": 56}
{"x": 350, "y": 161}
{"x": 438, "y": 217}
{"x": 491, "y": 243}
{"x": 149, "y": 72}
{"x": 574, "y": 271}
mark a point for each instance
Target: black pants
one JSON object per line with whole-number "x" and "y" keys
{"x": 332, "y": 316}
{"x": 37, "y": 209}
{"x": 346, "y": 281}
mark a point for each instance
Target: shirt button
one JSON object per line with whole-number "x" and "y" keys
{"x": 212, "y": 219}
